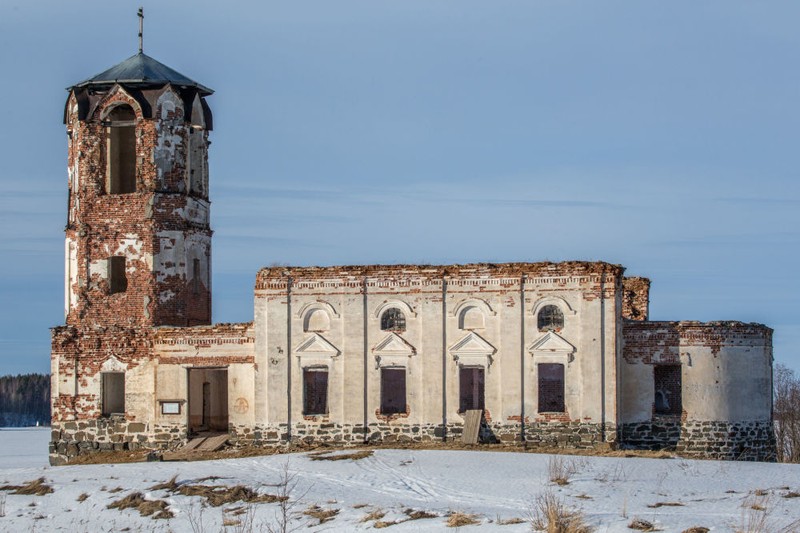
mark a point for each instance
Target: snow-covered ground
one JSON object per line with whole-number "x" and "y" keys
{"x": 496, "y": 486}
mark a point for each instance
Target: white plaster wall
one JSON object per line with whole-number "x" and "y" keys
{"x": 637, "y": 392}
{"x": 170, "y": 144}
{"x": 733, "y": 384}
{"x": 177, "y": 251}
{"x": 171, "y": 378}
{"x": 70, "y": 275}
{"x": 426, "y": 384}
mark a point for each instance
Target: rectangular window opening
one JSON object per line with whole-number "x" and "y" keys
{"x": 315, "y": 391}
{"x": 472, "y": 388}
{"x": 667, "y": 389}
{"x": 393, "y": 391}
{"x": 121, "y": 159}
{"x": 117, "y": 279}
{"x": 551, "y": 388}
{"x": 113, "y": 393}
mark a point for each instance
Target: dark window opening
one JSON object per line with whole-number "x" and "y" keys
{"x": 196, "y": 161}
{"x": 121, "y": 150}
{"x": 393, "y": 391}
{"x": 196, "y": 276}
{"x": 551, "y": 388}
{"x": 550, "y": 318}
{"x": 117, "y": 279}
{"x": 393, "y": 320}
{"x": 315, "y": 391}
{"x": 667, "y": 386}
{"x": 471, "y": 388}
{"x": 113, "y": 393}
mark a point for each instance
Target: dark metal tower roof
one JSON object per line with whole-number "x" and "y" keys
{"x": 141, "y": 70}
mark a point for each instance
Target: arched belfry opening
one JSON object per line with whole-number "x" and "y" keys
{"x": 121, "y": 150}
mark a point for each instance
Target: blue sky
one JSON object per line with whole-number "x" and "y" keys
{"x": 661, "y": 136}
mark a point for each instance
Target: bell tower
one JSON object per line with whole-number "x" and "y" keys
{"x": 138, "y": 238}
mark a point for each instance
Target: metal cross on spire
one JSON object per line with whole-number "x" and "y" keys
{"x": 141, "y": 29}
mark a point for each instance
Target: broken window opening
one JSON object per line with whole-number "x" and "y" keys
{"x": 121, "y": 134}
{"x": 551, "y": 388}
{"x": 393, "y": 391}
{"x": 113, "y": 393}
{"x": 472, "y": 388}
{"x": 550, "y": 318}
{"x": 196, "y": 163}
{"x": 393, "y": 320}
{"x": 196, "y": 276}
{"x": 315, "y": 391}
{"x": 667, "y": 387}
{"x": 117, "y": 278}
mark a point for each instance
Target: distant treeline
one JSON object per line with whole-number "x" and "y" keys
{"x": 25, "y": 400}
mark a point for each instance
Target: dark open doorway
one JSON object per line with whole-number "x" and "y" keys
{"x": 208, "y": 400}
{"x": 471, "y": 388}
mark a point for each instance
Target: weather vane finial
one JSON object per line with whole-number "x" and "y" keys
{"x": 141, "y": 28}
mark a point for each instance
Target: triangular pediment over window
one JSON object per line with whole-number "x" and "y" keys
{"x": 315, "y": 349}
{"x": 552, "y": 345}
{"x": 393, "y": 350}
{"x": 473, "y": 350}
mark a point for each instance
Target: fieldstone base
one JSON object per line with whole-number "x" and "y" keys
{"x": 546, "y": 434}
{"x": 740, "y": 441}
{"x": 750, "y": 441}
{"x": 71, "y": 439}
{"x": 661, "y": 433}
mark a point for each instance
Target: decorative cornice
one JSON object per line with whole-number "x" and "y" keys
{"x": 316, "y": 346}
{"x": 472, "y": 349}
{"x": 553, "y": 345}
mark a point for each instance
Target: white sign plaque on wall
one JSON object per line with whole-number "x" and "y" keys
{"x": 170, "y": 408}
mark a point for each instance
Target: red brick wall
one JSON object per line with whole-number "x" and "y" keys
{"x": 635, "y": 298}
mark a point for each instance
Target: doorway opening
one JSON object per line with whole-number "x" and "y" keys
{"x": 208, "y": 400}
{"x": 471, "y": 388}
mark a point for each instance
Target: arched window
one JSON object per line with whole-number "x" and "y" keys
{"x": 472, "y": 318}
{"x": 317, "y": 320}
{"x": 551, "y": 318}
{"x": 393, "y": 320}
{"x": 121, "y": 135}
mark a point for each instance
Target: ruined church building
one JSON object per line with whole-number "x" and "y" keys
{"x": 555, "y": 354}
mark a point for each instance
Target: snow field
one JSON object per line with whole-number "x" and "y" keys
{"x": 673, "y": 494}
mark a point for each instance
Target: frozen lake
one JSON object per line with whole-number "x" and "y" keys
{"x": 23, "y": 447}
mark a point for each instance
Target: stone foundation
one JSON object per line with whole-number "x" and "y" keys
{"x": 746, "y": 441}
{"x": 547, "y": 434}
{"x": 739, "y": 441}
{"x": 73, "y": 438}
{"x": 661, "y": 433}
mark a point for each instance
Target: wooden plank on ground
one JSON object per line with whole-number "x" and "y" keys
{"x": 212, "y": 444}
{"x": 472, "y": 426}
{"x": 193, "y": 444}
{"x": 174, "y": 456}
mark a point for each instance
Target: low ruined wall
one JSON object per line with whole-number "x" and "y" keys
{"x": 81, "y": 437}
